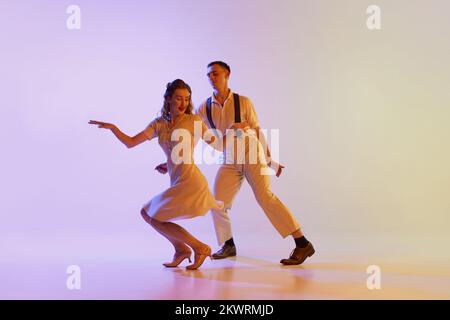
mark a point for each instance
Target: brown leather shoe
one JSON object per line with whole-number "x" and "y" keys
{"x": 298, "y": 255}
{"x": 225, "y": 252}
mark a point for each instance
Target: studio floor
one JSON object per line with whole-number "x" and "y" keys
{"x": 121, "y": 270}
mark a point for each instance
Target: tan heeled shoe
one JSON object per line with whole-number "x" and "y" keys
{"x": 200, "y": 256}
{"x": 178, "y": 257}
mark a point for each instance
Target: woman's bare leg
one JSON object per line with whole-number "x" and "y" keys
{"x": 177, "y": 232}
{"x": 179, "y": 246}
{"x": 173, "y": 230}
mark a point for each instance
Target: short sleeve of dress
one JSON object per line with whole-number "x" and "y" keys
{"x": 251, "y": 117}
{"x": 151, "y": 130}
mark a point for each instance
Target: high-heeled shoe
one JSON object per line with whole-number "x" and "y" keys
{"x": 178, "y": 257}
{"x": 199, "y": 257}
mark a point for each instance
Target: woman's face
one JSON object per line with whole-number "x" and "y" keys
{"x": 179, "y": 102}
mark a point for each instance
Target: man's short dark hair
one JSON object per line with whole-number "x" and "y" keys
{"x": 222, "y": 64}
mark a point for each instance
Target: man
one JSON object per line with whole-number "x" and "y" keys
{"x": 221, "y": 112}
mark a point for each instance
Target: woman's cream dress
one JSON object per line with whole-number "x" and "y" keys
{"x": 188, "y": 195}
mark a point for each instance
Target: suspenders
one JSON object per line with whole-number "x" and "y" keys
{"x": 208, "y": 113}
{"x": 237, "y": 110}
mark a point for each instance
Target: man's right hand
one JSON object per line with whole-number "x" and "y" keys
{"x": 162, "y": 168}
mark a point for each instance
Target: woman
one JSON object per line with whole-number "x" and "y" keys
{"x": 188, "y": 195}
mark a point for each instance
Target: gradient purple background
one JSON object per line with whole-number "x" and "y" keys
{"x": 363, "y": 119}
{"x": 64, "y": 175}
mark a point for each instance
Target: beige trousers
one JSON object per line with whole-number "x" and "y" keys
{"x": 228, "y": 181}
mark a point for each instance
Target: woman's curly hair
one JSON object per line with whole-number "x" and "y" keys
{"x": 170, "y": 90}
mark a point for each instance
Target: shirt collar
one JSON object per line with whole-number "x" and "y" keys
{"x": 214, "y": 100}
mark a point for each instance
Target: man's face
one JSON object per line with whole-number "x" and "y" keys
{"x": 218, "y": 76}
